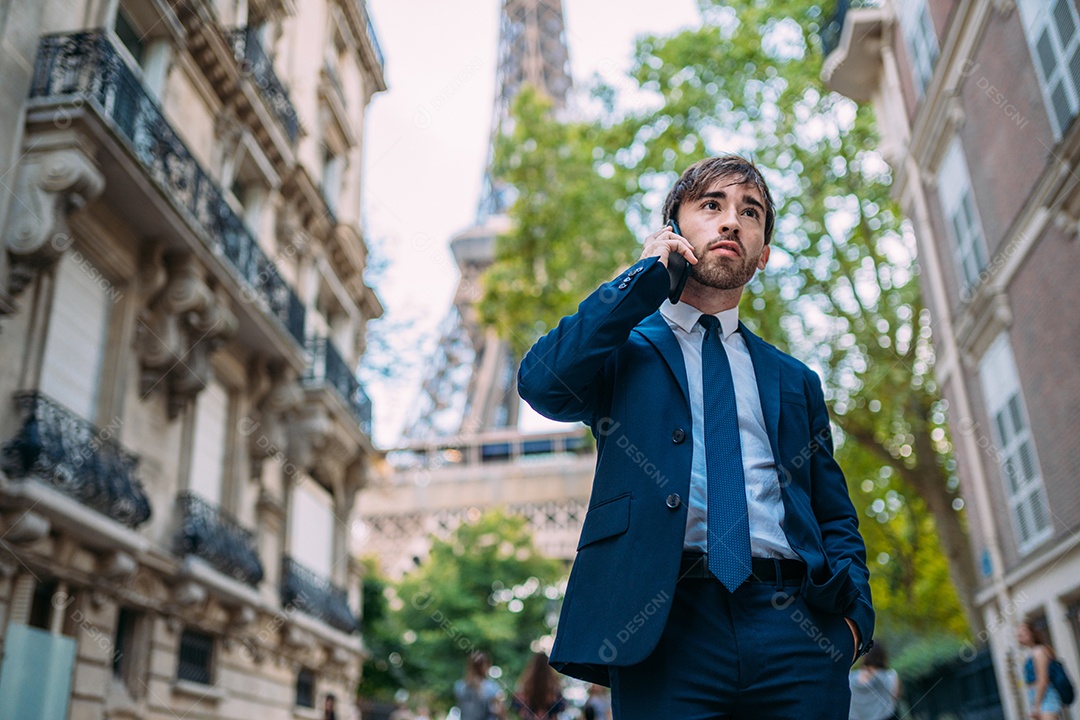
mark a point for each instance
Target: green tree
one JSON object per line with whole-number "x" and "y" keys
{"x": 841, "y": 290}
{"x": 568, "y": 222}
{"x": 485, "y": 588}
{"x": 382, "y": 673}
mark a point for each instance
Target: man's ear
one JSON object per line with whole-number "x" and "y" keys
{"x": 764, "y": 257}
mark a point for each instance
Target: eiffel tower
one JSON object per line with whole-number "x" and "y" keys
{"x": 464, "y": 452}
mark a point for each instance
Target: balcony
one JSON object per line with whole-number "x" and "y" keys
{"x": 84, "y": 69}
{"x": 73, "y": 456}
{"x": 255, "y": 64}
{"x": 314, "y": 595}
{"x": 370, "y": 32}
{"x": 327, "y": 368}
{"x": 851, "y": 41}
{"x": 214, "y": 535}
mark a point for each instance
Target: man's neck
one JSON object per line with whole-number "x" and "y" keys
{"x": 710, "y": 300}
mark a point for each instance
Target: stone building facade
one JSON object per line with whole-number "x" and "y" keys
{"x": 977, "y": 103}
{"x": 182, "y": 309}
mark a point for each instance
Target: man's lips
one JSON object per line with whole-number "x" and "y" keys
{"x": 726, "y": 247}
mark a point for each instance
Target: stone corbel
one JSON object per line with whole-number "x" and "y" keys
{"x": 293, "y": 239}
{"x": 184, "y": 322}
{"x": 50, "y": 184}
{"x": 276, "y": 398}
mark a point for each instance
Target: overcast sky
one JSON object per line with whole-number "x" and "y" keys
{"x": 426, "y": 145}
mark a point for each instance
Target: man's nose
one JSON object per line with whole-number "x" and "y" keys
{"x": 729, "y": 222}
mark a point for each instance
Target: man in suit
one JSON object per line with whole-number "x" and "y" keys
{"x": 720, "y": 572}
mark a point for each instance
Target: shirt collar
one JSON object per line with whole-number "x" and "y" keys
{"x": 686, "y": 316}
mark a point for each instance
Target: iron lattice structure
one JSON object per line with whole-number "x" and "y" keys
{"x": 470, "y": 387}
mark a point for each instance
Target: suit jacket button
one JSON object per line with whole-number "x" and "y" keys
{"x": 673, "y": 501}
{"x": 678, "y": 436}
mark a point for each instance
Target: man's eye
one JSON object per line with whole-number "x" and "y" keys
{"x": 710, "y": 205}
{"x": 751, "y": 212}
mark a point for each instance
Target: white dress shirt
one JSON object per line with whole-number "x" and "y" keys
{"x": 763, "y": 501}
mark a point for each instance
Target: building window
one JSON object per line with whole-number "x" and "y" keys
{"x": 76, "y": 339}
{"x": 962, "y": 218}
{"x": 331, "y": 178}
{"x": 129, "y": 36}
{"x": 1053, "y": 34}
{"x": 127, "y": 656}
{"x": 196, "y": 656}
{"x": 305, "y": 688}
{"x": 41, "y": 606}
{"x": 210, "y": 443}
{"x": 311, "y": 527}
{"x": 1015, "y": 447}
{"x": 920, "y": 42}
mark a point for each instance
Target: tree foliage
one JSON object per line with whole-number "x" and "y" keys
{"x": 841, "y": 291}
{"x": 485, "y": 588}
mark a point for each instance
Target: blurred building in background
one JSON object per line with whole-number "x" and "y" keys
{"x": 182, "y": 309}
{"x": 977, "y": 104}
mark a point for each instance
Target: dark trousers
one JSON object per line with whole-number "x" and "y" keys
{"x": 759, "y": 652}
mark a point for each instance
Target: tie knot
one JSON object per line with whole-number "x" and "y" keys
{"x": 709, "y": 322}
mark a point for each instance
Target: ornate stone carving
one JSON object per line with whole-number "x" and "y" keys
{"x": 276, "y": 396}
{"x": 49, "y": 185}
{"x": 183, "y": 323}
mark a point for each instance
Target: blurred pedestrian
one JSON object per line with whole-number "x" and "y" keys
{"x": 328, "y": 707}
{"x": 599, "y": 703}
{"x": 478, "y": 696}
{"x": 538, "y": 696}
{"x": 1043, "y": 700}
{"x": 875, "y": 688}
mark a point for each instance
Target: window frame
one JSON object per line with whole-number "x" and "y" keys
{"x": 957, "y": 196}
{"x": 211, "y": 656}
{"x": 1003, "y": 397}
{"x": 920, "y": 43}
{"x": 1038, "y": 21}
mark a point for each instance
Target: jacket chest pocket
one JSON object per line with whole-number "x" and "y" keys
{"x": 608, "y": 519}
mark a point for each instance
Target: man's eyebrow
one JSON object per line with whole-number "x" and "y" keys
{"x": 746, "y": 198}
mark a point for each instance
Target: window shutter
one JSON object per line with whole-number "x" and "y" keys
{"x": 75, "y": 342}
{"x": 209, "y": 445}
{"x": 311, "y": 522}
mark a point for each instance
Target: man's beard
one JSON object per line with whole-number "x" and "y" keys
{"x": 724, "y": 272}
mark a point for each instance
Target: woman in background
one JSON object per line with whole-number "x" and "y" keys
{"x": 1043, "y": 699}
{"x": 875, "y": 688}
{"x": 538, "y": 696}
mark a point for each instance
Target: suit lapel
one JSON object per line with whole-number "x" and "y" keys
{"x": 767, "y": 371}
{"x": 656, "y": 330}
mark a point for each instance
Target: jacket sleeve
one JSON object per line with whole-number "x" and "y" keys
{"x": 562, "y": 376}
{"x": 836, "y": 515}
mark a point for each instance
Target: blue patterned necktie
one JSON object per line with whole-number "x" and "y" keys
{"x": 729, "y": 524}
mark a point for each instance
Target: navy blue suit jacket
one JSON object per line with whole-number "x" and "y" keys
{"x": 616, "y": 366}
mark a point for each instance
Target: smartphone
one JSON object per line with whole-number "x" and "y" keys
{"x": 678, "y": 269}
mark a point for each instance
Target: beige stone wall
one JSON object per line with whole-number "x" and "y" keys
{"x": 279, "y": 429}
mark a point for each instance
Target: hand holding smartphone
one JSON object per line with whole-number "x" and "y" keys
{"x": 678, "y": 269}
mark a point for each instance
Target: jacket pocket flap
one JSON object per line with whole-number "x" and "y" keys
{"x": 611, "y": 517}
{"x": 835, "y": 594}
{"x": 792, "y": 397}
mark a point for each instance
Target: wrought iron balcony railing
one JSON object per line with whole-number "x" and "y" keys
{"x": 371, "y": 33}
{"x": 254, "y": 61}
{"x": 217, "y": 537}
{"x": 834, "y": 26}
{"x": 76, "y": 458}
{"x": 328, "y": 367}
{"x": 85, "y": 67}
{"x": 316, "y": 596}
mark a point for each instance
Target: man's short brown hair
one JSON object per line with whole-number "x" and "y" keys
{"x": 699, "y": 177}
